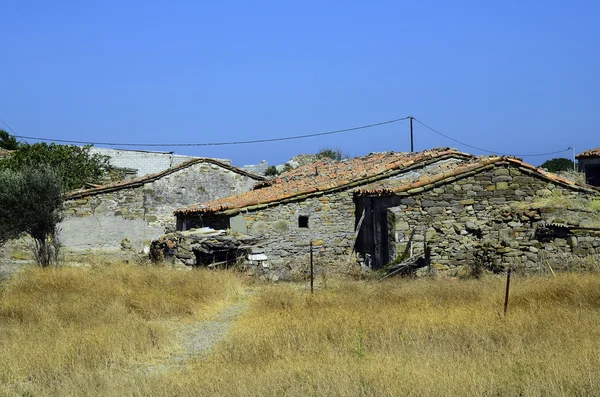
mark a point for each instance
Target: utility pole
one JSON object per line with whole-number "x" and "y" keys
{"x": 412, "y": 146}
{"x": 574, "y": 166}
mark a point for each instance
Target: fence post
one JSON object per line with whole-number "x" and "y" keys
{"x": 312, "y": 275}
{"x": 507, "y": 290}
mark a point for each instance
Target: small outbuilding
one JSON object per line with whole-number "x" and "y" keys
{"x": 589, "y": 163}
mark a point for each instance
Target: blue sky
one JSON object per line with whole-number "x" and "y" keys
{"x": 513, "y": 76}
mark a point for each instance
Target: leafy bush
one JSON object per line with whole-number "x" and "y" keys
{"x": 558, "y": 164}
{"x": 271, "y": 171}
{"x": 8, "y": 141}
{"x": 332, "y": 153}
{"x": 31, "y": 202}
{"x": 74, "y": 164}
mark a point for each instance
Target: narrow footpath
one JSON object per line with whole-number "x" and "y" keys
{"x": 199, "y": 339}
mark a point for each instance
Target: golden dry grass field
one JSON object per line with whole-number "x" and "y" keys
{"x": 92, "y": 331}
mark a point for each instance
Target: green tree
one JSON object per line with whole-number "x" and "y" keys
{"x": 332, "y": 153}
{"x": 271, "y": 171}
{"x": 8, "y": 141}
{"x": 75, "y": 164}
{"x": 31, "y": 202}
{"x": 558, "y": 164}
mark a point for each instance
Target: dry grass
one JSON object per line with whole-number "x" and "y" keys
{"x": 399, "y": 337}
{"x": 430, "y": 338}
{"x": 59, "y": 325}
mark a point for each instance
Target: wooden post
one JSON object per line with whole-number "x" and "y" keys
{"x": 507, "y": 290}
{"x": 412, "y": 146}
{"x": 312, "y": 274}
{"x": 358, "y": 226}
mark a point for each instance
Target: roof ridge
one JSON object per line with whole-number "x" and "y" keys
{"x": 463, "y": 169}
{"x": 158, "y": 175}
{"x": 589, "y": 153}
{"x": 318, "y": 184}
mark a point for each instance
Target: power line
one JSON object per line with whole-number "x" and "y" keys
{"x": 281, "y": 139}
{"x": 7, "y": 126}
{"x": 485, "y": 150}
{"x": 216, "y": 143}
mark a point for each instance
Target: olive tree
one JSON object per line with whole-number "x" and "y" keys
{"x": 76, "y": 165}
{"x": 31, "y": 203}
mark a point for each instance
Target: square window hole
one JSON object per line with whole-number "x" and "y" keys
{"x": 303, "y": 221}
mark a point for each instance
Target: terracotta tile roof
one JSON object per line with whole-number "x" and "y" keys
{"x": 589, "y": 153}
{"x": 454, "y": 171}
{"x": 324, "y": 176}
{"x": 153, "y": 177}
{"x": 4, "y": 153}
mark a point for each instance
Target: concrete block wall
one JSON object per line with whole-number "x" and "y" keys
{"x": 145, "y": 162}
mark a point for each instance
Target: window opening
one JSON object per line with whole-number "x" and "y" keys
{"x": 303, "y": 221}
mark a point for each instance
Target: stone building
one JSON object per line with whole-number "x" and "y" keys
{"x": 455, "y": 208}
{"x": 129, "y": 214}
{"x": 589, "y": 163}
{"x": 143, "y": 162}
{"x": 497, "y": 210}
{"x": 314, "y": 202}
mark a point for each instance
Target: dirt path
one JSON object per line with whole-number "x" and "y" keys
{"x": 199, "y": 339}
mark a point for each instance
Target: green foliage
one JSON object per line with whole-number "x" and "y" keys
{"x": 74, "y": 164}
{"x": 8, "y": 141}
{"x": 558, "y": 164}
{"x": 31, "y": 202}
{"x": 286, "y": 167}
{"x": 271, "y": 171}
{"x": 334, "y": 154}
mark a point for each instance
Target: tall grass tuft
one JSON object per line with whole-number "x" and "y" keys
{"x": 398, "y": 337}
{"x": 61, "y": 324}
{"x": 417, "y": 338}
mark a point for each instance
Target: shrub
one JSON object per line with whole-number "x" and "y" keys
{"x": 31, "y": 202}
{"x": 271, "y": 171}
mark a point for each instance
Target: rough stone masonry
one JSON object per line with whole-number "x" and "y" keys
{"x": 127, "y": 216}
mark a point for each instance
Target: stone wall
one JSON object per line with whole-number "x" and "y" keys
{"x": 332, "y": 219}
{"x": 331, "y": 222}
{"x": 484, "y": 219}
{"x": 129, "y": 218}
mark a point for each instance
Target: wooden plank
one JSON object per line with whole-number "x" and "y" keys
{"x": 360, "y": 221}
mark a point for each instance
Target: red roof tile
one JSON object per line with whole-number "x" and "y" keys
{"x": 589, "y": 153}
{"x": 153, "y": 177}
{"x": 325, "y": 175}
{"x": 460, "y": 169}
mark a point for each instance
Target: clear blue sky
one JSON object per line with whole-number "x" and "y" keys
{"x": 510, "y": 76}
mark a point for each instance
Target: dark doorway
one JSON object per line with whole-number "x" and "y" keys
{"x": 592, "y": 175}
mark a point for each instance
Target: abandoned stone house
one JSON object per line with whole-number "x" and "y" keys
{"x": 457, "y": 208}
{"x": 129, "y": 214}
{"x": 589, "y": 163}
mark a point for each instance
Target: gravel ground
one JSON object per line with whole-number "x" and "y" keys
{"x": 199, "y": 339}
{"x": 9, "y": 267}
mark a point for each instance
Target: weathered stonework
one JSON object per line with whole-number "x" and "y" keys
{"x": 129, "y": 217}
{"x": 484, "y": 219}
{"x": 331, "y": 217}
{"x": 455, "y": 211}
